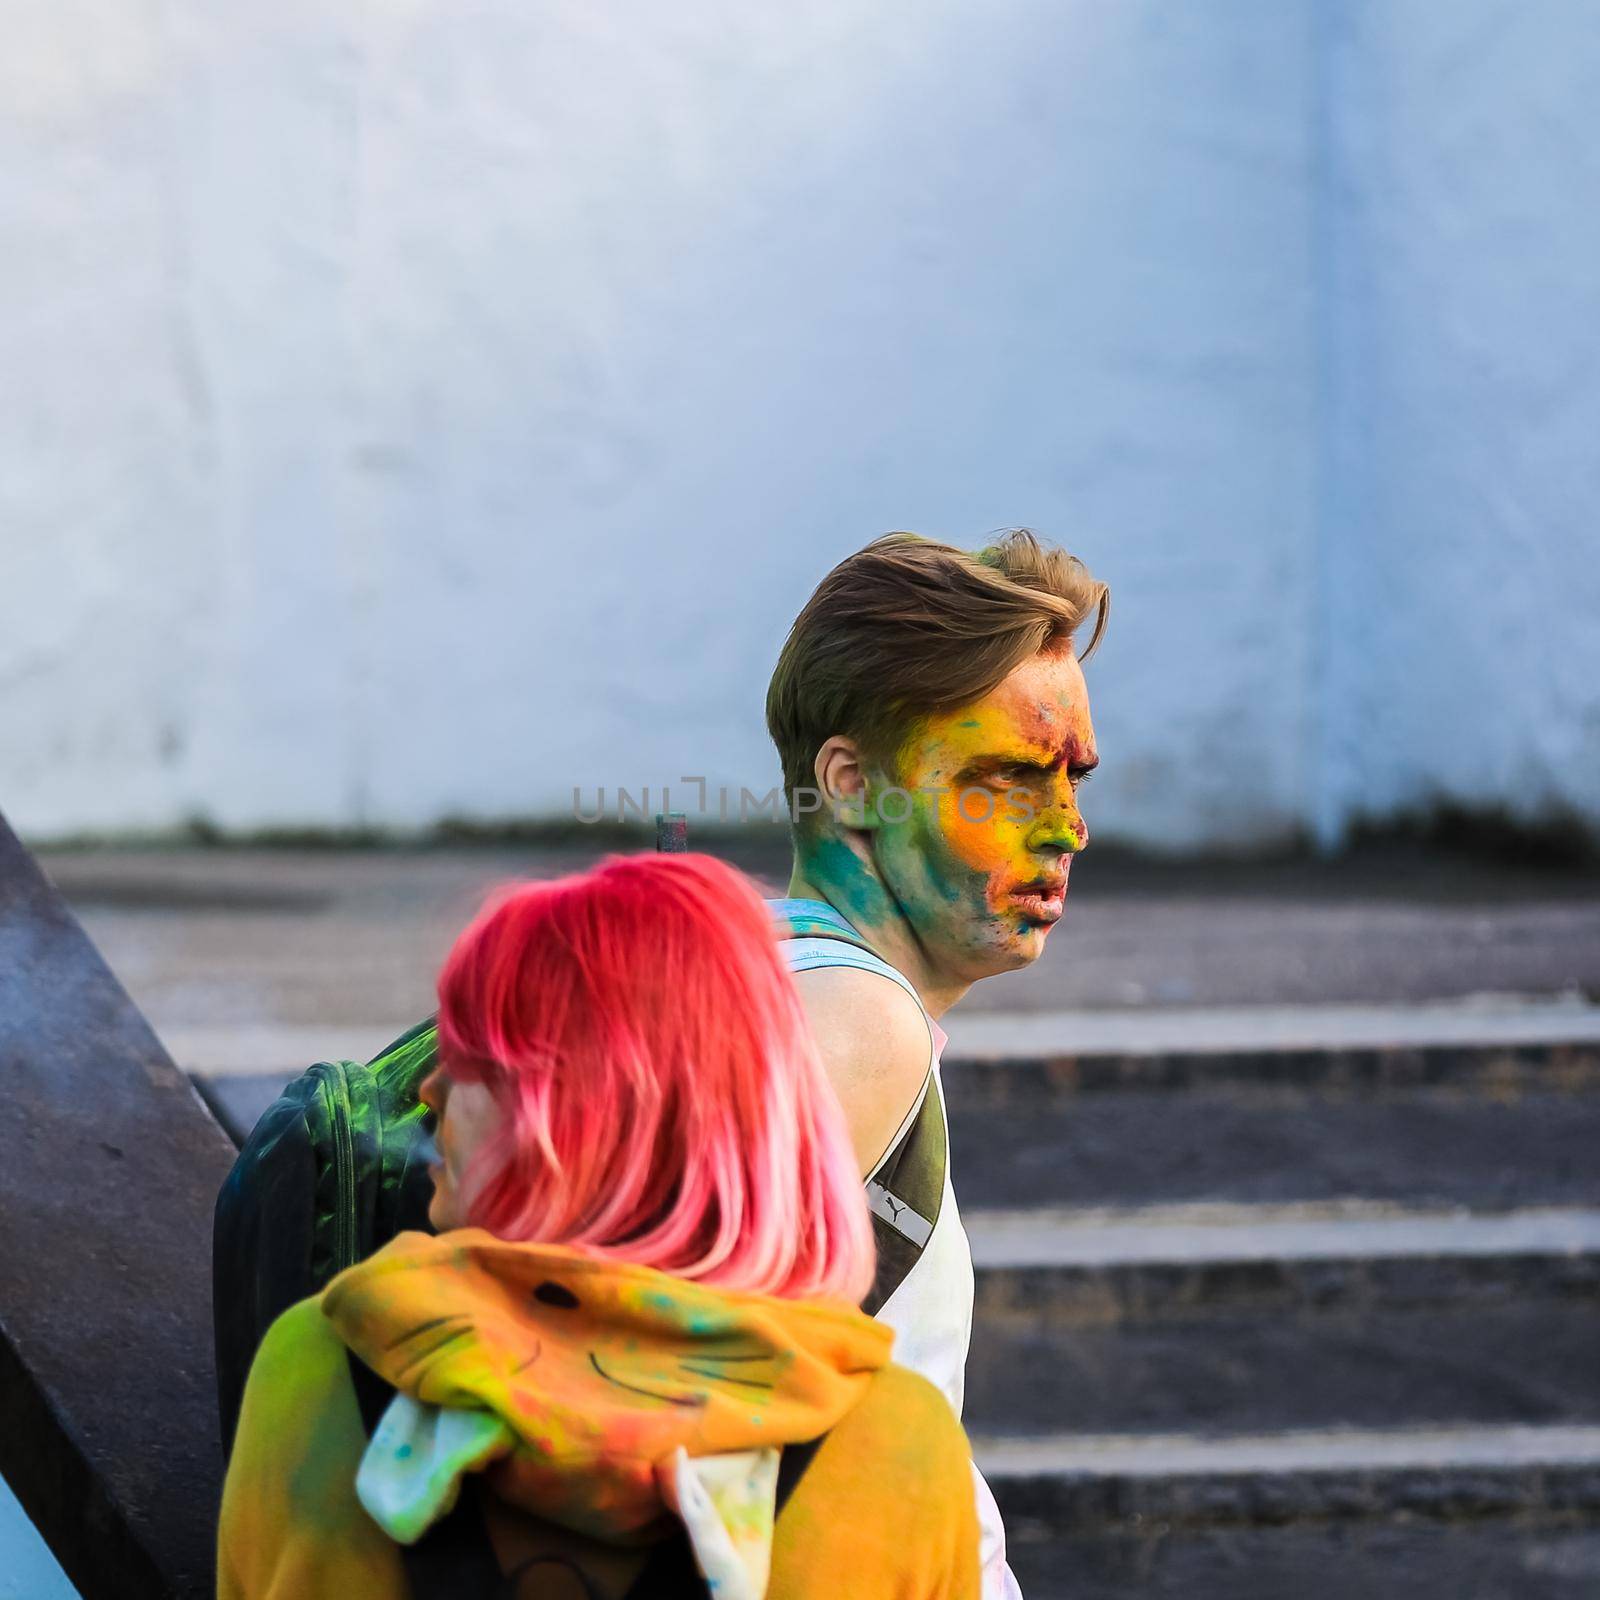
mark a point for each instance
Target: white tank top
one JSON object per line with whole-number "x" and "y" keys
{"x": 931, "y": 1310}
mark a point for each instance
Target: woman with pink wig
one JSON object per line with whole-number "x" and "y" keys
{"x": 631, "y": 1362}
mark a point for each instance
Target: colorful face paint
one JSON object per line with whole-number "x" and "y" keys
{"x": 963, "y": 867}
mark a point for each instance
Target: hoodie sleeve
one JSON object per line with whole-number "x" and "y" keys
{"x": 963, "y": 1578}
{"x": 291, "y": 1527}
{"x": 887, "y": 1511}
{"x": 935, "y": 1511}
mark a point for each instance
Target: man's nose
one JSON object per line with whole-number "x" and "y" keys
{"x": 1061, "y": 827}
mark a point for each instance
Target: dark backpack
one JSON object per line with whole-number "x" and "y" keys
{"x": 338, "y": 1165}
{"x": 335, "y": 1168}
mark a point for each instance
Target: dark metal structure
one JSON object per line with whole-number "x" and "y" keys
{"x": 111, "y": 1165}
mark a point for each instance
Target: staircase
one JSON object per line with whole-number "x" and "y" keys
{"x": 1274, "y": 1303}
{"x": 1262, "y": 1317}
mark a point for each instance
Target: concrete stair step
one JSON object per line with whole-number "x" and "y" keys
{"x": 1203, "y": 1041}
{"x": 1377, "y": 1103}
{"x": 1241, "y": 1318}
{"x": 1409, "y": 1148}
{"x": 1504, "y": 1513}
{"x": 1503, "y": 1558}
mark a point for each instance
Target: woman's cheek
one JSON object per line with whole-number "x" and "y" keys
{"x": 441, "y": 1212}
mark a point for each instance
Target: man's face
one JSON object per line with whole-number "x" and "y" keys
{"x": 979, "y": 863}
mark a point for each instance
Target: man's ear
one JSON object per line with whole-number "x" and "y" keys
{"x": 843, "y": 784}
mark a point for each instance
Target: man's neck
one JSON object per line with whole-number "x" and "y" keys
{"x": 830, "y": 870}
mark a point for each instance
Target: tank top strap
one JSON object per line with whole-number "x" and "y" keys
{"x": 812, "y": 934}
{"x": 799, "y": 919}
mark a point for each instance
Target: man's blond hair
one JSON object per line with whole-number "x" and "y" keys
{"x": 908, "y": 628}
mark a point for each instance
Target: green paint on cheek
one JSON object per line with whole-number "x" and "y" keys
{"x": 951, "y": 880}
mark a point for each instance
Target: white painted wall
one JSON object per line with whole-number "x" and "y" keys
{"x": 415, "y": 411}
{"x": 1461, "y": 496}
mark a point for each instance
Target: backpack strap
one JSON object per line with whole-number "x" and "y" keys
{"x": 456, "y": 1559}
{"x": 792, "y": 1466}
{"x": 905, "y": 1191}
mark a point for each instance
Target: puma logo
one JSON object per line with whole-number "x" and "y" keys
{"x": 899, "y": 1214}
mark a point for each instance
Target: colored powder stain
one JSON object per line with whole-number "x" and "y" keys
{"x": 318, "y": 1487}
{"x": 834, "y": 863}
{"x": 403, "y": 1452}
{"x": 948, "y": 876}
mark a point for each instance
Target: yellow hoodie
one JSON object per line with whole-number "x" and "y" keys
{"x": 610, "y": 1400}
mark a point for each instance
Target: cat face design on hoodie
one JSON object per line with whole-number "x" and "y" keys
{"x": 599, "y": 1369}
{"x": 579, "y": 1346}
{"x": 650, "y": 1370}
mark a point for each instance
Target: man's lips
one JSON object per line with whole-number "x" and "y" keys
{"x": 1044, "y": 900}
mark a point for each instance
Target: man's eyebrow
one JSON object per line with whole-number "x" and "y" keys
{"x": 1029, "y": 761}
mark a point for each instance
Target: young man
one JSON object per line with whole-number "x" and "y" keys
{"x": 934, "y": 728}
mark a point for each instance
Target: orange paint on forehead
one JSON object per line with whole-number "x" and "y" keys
{"x": 1038, "y": 714}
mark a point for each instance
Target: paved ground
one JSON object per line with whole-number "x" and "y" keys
{"x": 214, "y": 943}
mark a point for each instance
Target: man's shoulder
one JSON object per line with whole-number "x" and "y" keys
{"x": 876, "y": 1048}
{"x": 855, "y": 1012}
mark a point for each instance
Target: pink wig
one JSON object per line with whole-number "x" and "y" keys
{"x": 664, "y": 1099}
